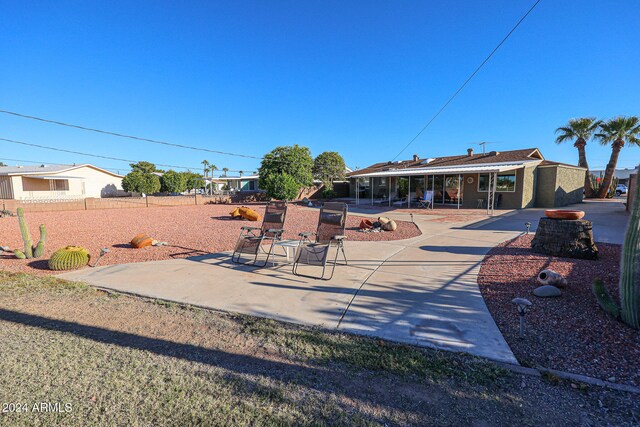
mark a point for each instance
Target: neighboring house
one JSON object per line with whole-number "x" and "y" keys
{"x": 238, "y": 183}
{"x": 57, "y": 182}
{"x": 518, "y": 178}
{"x": 622, "y": 174}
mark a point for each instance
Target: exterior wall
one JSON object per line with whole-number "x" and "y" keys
{"x": 87, "y": 182}
{"x": 6, "y": 187}
{"x": 546, "y": 187}
{"x": 559, "y": 186}
{"x": 528, "y": 187}
{"x": 508, "y": 200}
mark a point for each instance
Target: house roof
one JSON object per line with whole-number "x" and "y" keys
{"x": 552, "y": 163}
{"x": 455, "y": 164}
{"x": 48, "y": 169}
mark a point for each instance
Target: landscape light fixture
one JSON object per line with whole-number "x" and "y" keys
{"x": 522, "y": 305}
{"x": 528, "y": 225}
{"x": 103, "y": 252}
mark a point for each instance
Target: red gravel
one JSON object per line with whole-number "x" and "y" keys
{"x": 189, "y": 231}
{"x": 570, "y": 333}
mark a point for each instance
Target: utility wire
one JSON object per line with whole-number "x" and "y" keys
{"x": 468, "y": 80}
{"x": 97, "y": 155}
{"x": 121, "y": 135}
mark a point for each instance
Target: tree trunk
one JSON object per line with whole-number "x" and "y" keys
{"x": 611, "y": 168}
{"x": 582, "y": 162}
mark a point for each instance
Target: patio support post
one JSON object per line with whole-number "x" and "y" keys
{"x": 371, "y": 189}
{"x": 409, "y": 192}
{"x": 389, "y": 189}
{"x": 357, "y": 191}
{"x": 459, "y": 178}
{"x": 433, "y": 190}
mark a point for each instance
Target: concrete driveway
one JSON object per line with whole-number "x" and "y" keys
{"x": 421, "y": 291}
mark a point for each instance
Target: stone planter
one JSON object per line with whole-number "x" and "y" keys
{"x": 565, "y": 238}
{"x": 564, "y": 214}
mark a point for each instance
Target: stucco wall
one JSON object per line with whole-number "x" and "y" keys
{"x": 559, "y": 186}
{"x": 528, "y": 187}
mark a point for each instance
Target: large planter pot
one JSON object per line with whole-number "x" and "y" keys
{"x": 564, "y": 214}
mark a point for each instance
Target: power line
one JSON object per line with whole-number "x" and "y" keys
{"x": 468, "y": 80}
{"x": 121, "y": 135}
{"x": 45, "y": 147}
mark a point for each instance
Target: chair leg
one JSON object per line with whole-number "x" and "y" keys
{"x": 344, "y": 255}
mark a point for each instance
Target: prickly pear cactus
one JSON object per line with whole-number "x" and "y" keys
{"x": 69, "y": 258}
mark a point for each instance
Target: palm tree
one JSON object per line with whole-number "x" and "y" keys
{"x": 615, "y": 132}
{"x": 241, "y": 172}
{"x": 581, "y": 130}
{"x": 225, "y": 170}
{"x": 213, "y": 168}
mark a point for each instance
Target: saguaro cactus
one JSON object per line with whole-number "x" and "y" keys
{"x": 630, "y": 268}
{"x": 629, "y": 311}
{"x": 30, "y": 251}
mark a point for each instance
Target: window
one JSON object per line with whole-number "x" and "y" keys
{"x": 505, "y": 183}
{"x": 61, "y": 185}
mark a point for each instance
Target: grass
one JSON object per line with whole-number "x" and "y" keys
{"x": 120, "y": 360}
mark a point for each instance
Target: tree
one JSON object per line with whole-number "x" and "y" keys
{"x": 191, "y": 179}
{"x": 2, "y": 164}
{"x": 141, "y": 182}
{"x": 581, "y": 130}
{"x": 225, "y": 170}
{"x": 295, "y": 161}
{"x": 145, "y": 167}
{"x": 281, "y": 187}
{"x": 205, "y": 167}
{"x": 173, "y": 182}
{"x": 328, "y": 167}
{"x": 616, "y": 132}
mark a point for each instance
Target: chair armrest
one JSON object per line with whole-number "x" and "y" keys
{"x": 339, "y": 237}
{"x": 276, "y": 230}
{"x": 307, "y": 234}
{"x": 247, "y": 228}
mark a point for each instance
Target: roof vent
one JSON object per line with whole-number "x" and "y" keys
{"x": 43, "y": 166}
{"x": 416, "y": 157}
{"x": 493, "y": 153}
{"x": 469, "y": 152}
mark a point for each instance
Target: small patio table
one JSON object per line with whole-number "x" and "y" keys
{"x": 287, "y": 244}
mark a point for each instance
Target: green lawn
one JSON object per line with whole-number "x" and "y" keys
{"x": 119, "y": 360}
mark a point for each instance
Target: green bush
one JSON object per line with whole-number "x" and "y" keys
{"x": 141, "y": 182}
{"x": 328, "y": 193}
{"x": 281, "y": 187}
{"x": 295, "y": 161}
{"x": 173, "y": 182}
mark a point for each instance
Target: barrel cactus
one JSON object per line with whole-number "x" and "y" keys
{"x": 69, "y": 258}
{"x": 30, "y": 251}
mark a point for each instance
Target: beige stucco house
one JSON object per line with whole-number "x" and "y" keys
{"x": 57, "y": 182}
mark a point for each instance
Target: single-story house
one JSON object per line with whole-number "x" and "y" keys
{"x": 622, "y": 174}
{"x": 58, "y": 182}
{"x": 507, "y": 180}
{"x": 238, "y": 183}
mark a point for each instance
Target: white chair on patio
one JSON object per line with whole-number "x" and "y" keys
{"x": 427, "y": 200}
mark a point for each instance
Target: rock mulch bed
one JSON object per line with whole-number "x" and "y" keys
{"x": 571, "y": 332}
{"x": 189, "y": 231}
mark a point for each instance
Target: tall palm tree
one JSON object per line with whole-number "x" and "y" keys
{"x": 205, "y": 166}
{"x": 213, "y": 168}
{"x": 225, "y": 170}
{"x": 616, "y": 132}
{"x": 581, "y": 130}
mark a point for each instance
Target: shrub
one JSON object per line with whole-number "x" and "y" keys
{"x": 141, "y": 182}
{"x": 281, "y": 187}
{"x": 173, "y": 182}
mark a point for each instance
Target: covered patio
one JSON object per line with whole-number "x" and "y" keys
{"x": 427, "y": 187}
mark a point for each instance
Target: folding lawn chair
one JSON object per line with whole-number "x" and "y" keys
{"x": 329, "y": 234}
{"x": 427, "y": 200}
{"x": 251, "y": 239}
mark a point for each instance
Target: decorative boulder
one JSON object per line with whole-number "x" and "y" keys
{"x": 390, "y": 226}
{"x": 547, "y": 291}
{"x": 250, "y": 214}
{"x": 235, "y": 213}
{"x": 141, "y": 240}
{"x": 550, "y": 277}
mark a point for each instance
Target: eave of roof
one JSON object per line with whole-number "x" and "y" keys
{"x": 439, "y": 170}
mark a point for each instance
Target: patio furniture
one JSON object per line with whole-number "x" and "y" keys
{"x": 329, "y": 234}
{"x": 287, "y": 245}
{"x": 426, "y": 201}
{"x": 480, "y": 204}
{"x": 251, "y": 239}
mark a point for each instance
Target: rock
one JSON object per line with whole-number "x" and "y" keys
{"x": 390, "y": 226}
{"x": 547, "y": 291}
{"x": 565, "y": 238}
{"x": 5, "y": 249}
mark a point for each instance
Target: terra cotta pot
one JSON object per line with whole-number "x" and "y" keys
{"x": 564, "y": 214}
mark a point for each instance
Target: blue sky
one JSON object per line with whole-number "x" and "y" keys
{"x": 361, "y": 78}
